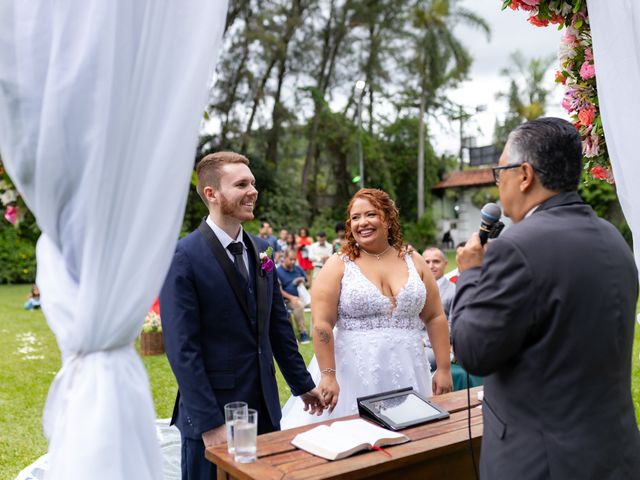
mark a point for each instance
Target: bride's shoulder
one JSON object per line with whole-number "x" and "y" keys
{"x": 418, "y": 260}
{"x": 334, "y": 265}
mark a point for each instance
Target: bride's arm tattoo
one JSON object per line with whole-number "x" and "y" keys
{"x": 324, "y": 336}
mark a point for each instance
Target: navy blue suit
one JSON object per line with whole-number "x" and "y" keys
{"x": 222, "y": 334}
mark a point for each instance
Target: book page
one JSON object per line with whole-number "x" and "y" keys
{"x": 326, "y": 442}
{"x": 365, "y": 432}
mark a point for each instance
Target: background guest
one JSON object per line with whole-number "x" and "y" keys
{"x": 341, "y": 231}
{"x": 34, "y": 299}
{"x": 437, "y": 263}
{"x": 302, "y": 244}
{"x": 319, "y": 252}
{"x": 291, "y": 275}
{"x": 282, "y": 246}
{"x": 266, "y": 233}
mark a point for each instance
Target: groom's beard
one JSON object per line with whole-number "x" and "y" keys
{"x": 235, "y": 210}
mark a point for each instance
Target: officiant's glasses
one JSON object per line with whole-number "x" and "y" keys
{"x": 496, "y": 170}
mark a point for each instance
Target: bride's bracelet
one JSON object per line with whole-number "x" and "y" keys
{"x": 328, "y": 370}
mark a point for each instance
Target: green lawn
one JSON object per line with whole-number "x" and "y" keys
{"x": 29, "y": 359}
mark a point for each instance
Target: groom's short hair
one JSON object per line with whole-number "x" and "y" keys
{"x": 208, "y": 169}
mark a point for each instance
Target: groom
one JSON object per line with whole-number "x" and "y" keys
{"x": 224, "y": 319}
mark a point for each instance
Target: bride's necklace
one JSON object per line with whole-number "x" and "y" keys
{"x": 377, "y": 255}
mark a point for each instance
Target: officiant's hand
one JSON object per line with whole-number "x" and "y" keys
{"x": 330, "y": 390}
{"x": 215, "y": 436}
{"x": 313, "y": 402}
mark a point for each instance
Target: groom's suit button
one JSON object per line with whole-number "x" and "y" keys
{"x": 259, "y": 351}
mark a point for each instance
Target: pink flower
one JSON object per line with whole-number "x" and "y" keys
{"x": 588, "y": 54}
{"x": 599, "y": 173}
{"x": 591, "y": 147}
{"x": 587, "y": 115}
{"x": 533, "y": 3}
{"x": 571, "y": 37}
{"x": 11, "y": 214}
{"x": 567, "y": 104}
{"x": 587, "y": 70}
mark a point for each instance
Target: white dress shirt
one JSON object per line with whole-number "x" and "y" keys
{"x": 225, "y": 240}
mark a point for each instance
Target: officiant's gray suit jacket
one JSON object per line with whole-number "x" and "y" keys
{"x": 548, "y": 319}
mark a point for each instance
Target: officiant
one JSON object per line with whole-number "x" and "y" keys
{"x": 546, "y": 314}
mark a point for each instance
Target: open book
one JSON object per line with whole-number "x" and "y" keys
{"x": 344, "y": 438}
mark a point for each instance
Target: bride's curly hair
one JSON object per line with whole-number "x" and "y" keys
{"x": 382, "y": 202}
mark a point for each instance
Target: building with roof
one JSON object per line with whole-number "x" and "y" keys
{"x": 457, "y": 201}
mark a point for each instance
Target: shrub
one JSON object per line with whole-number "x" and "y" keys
{"x": 17, "y": 257}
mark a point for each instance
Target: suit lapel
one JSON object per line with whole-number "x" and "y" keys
{"x": 227, "y": 266}
{"x": 261, "y": 284}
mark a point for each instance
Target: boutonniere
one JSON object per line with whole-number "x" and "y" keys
{"x": 265, "y": 260}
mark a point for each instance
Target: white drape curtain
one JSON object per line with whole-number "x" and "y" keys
{"x": 100, "y": 104}
{"x": 615, "y": 28}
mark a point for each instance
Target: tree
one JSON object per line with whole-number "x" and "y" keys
{"x": 440, "y": 61}
{"x": 527, "y": 94}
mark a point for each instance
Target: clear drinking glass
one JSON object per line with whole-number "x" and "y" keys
{"x": 245, "y": 435}
{"x": 229, "y": 410}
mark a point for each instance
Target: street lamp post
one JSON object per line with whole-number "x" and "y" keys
{"x": 360, "y": 84}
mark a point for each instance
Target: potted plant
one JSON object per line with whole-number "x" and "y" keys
{"x": 151, "y": 342}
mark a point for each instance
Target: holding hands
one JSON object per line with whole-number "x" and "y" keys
{"x": 329, "y": 388}
{"x": 313, "y": 402}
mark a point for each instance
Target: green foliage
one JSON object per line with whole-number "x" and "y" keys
{"x": 600, "y": 195}
{"x": 420, "y": 233}
{"x": 283, "y": 205}
{"x": 17, "y": 256}
{"x": 603, "y": 199}
{"x": 194, "y": 212}
{"x": 400, "y": 147}
{"x": 482, "y": 196}
{"x": 326, "y": 221}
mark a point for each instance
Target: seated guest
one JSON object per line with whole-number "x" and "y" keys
{"x": 291, "y": 275}
{"x": 319, "y": 252}
{"x": 437, "y": 263}
{"x": 34, "y": 299}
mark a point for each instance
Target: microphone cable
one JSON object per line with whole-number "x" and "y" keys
{"x": 473, "y": 456}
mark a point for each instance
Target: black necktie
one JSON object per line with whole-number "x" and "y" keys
{"x": 236, "y": 249}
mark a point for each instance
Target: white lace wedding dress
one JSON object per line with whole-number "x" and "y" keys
{"x": 378, "y": 344}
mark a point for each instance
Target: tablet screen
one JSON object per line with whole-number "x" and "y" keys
{"x": 404, "y": 408}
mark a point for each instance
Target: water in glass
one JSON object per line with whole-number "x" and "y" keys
{"x": 229, "y": 410}
{"x": 245, "y": 437}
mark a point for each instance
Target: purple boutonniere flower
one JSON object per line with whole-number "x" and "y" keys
{"x": 265, "y": 259}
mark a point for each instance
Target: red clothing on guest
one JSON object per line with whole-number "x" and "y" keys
{"x": 303, "y": 253}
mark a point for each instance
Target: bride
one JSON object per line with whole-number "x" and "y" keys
{"x": 369, "y": 307}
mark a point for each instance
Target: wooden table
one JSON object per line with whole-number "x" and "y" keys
{"x": 437, "y": 450}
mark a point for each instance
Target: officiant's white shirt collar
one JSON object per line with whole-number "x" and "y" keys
{"x": 225, "y": 240}
{"x": 532, "y": 211}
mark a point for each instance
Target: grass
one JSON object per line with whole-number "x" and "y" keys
{"x": 29, "y": 359}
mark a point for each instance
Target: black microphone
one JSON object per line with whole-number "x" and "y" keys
{"x": 489, "y": 216}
